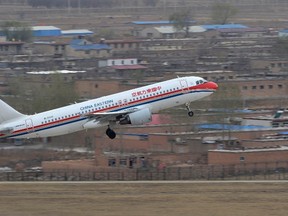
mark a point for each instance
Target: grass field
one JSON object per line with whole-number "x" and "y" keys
{"x": 140, "y": 198}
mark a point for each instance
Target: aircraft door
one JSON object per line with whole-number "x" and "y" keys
{"x": 184, "y": 85}
{"x": 29, "y": 125}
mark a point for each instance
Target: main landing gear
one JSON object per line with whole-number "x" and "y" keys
{"x": 190, "y": 112}
{"x": 110, "y": 133}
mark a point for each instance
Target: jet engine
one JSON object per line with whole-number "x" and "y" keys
{"x": 137, "y": 118}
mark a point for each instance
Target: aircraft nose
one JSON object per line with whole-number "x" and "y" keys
{"x": 213, "y": 85}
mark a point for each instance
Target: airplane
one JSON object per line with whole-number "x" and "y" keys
{"x": 134, "y": 107}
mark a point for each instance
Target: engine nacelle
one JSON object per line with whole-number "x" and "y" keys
{"x": 137, "y": 118}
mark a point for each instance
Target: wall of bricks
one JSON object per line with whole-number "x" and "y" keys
{"x": 250, "y": 156}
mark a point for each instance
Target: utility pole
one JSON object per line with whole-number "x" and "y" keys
{"x": 79, "y": 6}
{"x": 69, "y": 6}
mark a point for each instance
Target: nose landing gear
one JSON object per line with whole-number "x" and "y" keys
{"x": 110, "y": 133}
{"x": 190, "y": 112}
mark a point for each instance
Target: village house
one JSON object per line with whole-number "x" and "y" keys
{"x": 82, "y": 48}
{"x": 11, "y": 48}
{"x": 169, "y": 32}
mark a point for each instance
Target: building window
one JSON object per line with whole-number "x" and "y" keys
{"x": 242, "y": 158}
{"x": 244, "y": 87}
{"x": 123, "y": 162}
{"x": 149, "y": 35}
{"x": 254, "y": 87}
{"x": 270, "y": 86}
{"x": 280, "y": 86}
{"x": 261, "y": 86}
{"x": 112, "y": 162}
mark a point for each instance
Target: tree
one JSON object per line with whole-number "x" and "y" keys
{"x": 222, "y": 12}
{"x": 16, "y": 31}
{"x": 31, "y": 98}
{"x": 181, "y": 21}
{"x": 58, "y": 93}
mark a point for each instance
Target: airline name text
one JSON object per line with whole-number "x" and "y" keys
{"x": 91, "y": 106}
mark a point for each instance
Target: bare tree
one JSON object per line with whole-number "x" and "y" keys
{"x": 181, "y": 21}
{"x": 41, "y": 96}
{"x": 222, "y": 12}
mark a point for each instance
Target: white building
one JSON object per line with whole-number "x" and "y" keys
{"x": 168, "y": 32}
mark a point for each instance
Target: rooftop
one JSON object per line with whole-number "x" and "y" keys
{"x": 76, "y": 32}
{"x": 171, "y": 29}
{"x": 40, "y": 28}
{"x": 128, "y": 67}
{"x": 157, "y": 22}
{"x": 55, "y": 72}
{"x": 280, "y": 148}
{"x": 80, "y": 44}
{"x": 224, "y": 26}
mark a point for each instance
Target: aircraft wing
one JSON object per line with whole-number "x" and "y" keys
{"x": 108, "y": 116}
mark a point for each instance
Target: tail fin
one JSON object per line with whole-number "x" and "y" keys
{"x": 7, "y": 112}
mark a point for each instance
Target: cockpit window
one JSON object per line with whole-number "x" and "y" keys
{"x": 201, "y": 81}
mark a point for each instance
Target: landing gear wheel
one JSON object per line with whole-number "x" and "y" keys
{"x": 110, "y": 133}
{"x": 190, "y": 113}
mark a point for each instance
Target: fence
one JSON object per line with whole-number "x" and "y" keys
{"x": 255, "y": 171}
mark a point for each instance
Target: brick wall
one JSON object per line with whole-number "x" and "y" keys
{"x": 217, "y": 157}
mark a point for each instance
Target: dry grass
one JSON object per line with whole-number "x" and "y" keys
{"x": 213, "y": 199}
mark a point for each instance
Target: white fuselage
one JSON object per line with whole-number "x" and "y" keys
{"x": 73, "y": 117}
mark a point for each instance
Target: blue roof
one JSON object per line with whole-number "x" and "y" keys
{"x": 229, "y": 127}
{"x": 224, "y": 26}
{"x": 283, "y": 133}
{"x": 45, "y": 31}
{"x": 160, "y": 22}
{"x": 80, "y": 44}
{"x": 284, "y": 31}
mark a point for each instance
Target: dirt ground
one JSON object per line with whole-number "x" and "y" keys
{"x": 141, "y": 198}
